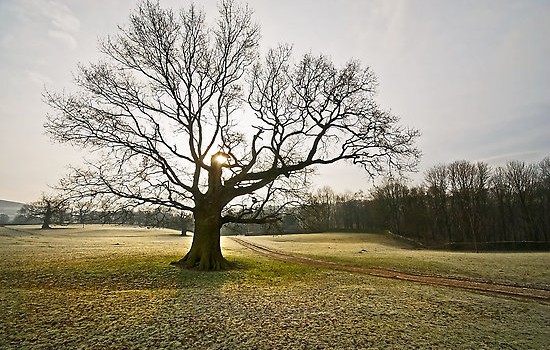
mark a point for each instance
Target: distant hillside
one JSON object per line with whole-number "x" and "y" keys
{"x": 10, "y": 208}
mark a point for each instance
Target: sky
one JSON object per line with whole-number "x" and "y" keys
{"x": 472, "y": 76}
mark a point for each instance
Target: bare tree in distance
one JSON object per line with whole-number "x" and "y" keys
{"x": 46, "y": 208}
{"x": 437, "y": 183}
{"x": 187, "y": 115}
{"x": 390, "y": 196}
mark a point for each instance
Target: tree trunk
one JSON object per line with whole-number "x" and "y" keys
{"x": 47, "y": 217}
{"x": 205, "y": 252}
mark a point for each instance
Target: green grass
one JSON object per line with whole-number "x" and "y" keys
{"x": 55, "y": 304}
{"x": 149, "y": 272}
{"x": 523, "y": 269}
{"x": 80, "y": 290}
{"x": 382, "y": 251}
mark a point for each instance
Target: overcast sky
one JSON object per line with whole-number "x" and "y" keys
{"x": 473, "y": 76}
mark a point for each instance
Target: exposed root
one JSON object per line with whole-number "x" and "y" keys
{"x": 204, "y": 262}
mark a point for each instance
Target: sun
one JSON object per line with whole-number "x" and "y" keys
{"x": 220, "y": 158}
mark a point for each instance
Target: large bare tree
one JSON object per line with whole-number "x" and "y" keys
{"x": 187, "y": 114}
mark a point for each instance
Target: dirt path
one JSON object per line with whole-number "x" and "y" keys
{"x": 516, "y": 291}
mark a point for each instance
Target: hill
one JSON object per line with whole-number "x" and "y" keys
{"x": 10, "y": 208}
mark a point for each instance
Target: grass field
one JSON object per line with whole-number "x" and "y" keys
{"x": 111, "y": 287}
{"x": 384, "y": 251}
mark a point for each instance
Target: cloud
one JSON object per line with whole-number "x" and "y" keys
{"x": 61, "y": 17}
{"x": 61, "y": 22}
{"x": 64, "y": 37}
{"x": 38, "y": 78}
{"x": 528, "y": 156}
{"x": 25, "y": 24}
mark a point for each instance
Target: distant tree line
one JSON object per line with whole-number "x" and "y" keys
{"x": 461, "y": 203}
{"x": 324, "y": 210}
{"x": 458, "y": 203}
{"x": 50, "y": 210}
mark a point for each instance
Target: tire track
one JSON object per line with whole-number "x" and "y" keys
{"x": 542, "y": 295}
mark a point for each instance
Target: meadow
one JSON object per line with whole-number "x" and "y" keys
{"x": 386, "y": 251}
{"x": 112, "y": 287}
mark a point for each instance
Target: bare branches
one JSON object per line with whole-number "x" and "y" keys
{"x": 171, "y": 90}
{"x": 143, "y": 185}
{"x": 313, "y": 113}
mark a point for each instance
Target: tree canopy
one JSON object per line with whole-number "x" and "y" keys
{"x": 173, "y": 92}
